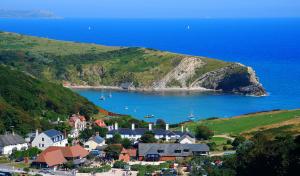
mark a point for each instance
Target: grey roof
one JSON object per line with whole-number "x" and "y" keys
{"x": 186, "y": 136}
{"x": 141, "y": 131}
{"x": 52, "y": 133}
{"x": 169, "y": 149}
{"x": 97, "y": 139}
{"x": 11, "y": 139}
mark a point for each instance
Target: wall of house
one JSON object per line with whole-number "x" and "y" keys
{"x": 7, "y": 150}
{"x": 187, "y": 141}
{"x": 42, "y": 141}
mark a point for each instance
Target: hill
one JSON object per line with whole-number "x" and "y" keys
{"x": 5, "y": 13}
{"x": 27, "y": 103}
{"x": 272, "y": 123}
{"x": 146, "y": 69}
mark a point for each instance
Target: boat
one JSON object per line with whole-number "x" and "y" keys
{"x": 149, "y": 116}
{"x": 126, "y": 107}
{"x": 191, "y": 116}
{"x": 188, "y": 27}
{"x": 109, "y": 95}
{"x": 102, "y": 97}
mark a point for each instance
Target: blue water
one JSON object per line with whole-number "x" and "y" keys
{"x": 270, "y": 46}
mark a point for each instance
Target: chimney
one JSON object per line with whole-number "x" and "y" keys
{"x": 150, "y": 126}
{"x": 97, "y": 133}
{"x": 186, "y": 129}
{"x": 132, "y": 126}
{"x": 36, "y": 132}
{"x": 13, "y": 132}
{"x": 116, "y": 126}
{"x": 182, "y": 128}
{"x": 167, "y": 126}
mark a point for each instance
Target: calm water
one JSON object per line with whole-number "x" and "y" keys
{"x": 270, "y": 46}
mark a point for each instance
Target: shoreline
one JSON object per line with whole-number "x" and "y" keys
{"x": 200, "y": 89}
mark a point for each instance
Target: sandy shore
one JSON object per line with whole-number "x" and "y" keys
{"x": 198, "y": 89}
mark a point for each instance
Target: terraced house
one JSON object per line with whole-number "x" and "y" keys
{"x": 170, "y": 152}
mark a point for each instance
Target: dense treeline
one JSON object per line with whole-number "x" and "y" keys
{"x": 257, "y": 156}
{"x": 27, "y": 103}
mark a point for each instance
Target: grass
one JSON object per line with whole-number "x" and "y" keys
{"x": 91, "y": 64}
{"x": 238, "y": 125}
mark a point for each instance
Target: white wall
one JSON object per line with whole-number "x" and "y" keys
{"x": 39, "y": 143}
{"x": 7, "y": 150}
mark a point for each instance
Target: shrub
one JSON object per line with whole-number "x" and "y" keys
{"x": 203, "y": 132}
{"x": 119, "y": 164}
{"x": 237, "y": 141}
{"x": 104, "y": 168}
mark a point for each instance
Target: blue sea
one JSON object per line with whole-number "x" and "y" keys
{"x": 270, "y": 46}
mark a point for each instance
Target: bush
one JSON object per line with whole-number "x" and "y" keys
{"x": 237, "y": 141}
{"x": 119, "y": 164}
{"x": 104, "y": 168}
{"x": 212, "y": 146}
{"x": 203, "y": 132}
{"x": 26, "y": 169}
{"x": 229, "y": 142}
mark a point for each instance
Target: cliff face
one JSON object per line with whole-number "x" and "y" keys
{"x": 235, "y": 78}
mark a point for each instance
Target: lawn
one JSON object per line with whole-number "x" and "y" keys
{"x": 237, "y": 125}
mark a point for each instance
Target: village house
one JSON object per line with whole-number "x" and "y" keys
{"x": 78, "y": 123}
{"x": 54, "y": 156}
{"x": 187, "y": 139}
{"x": 128, "y": 154}
{"x": 49, "y": 138}
{"x": 136, "y": 133}
{"x": 11, "y": 142}
{"x": 94, "y": 142}
{"x": 100, "y": 123}
{"x": 169, "y": 152}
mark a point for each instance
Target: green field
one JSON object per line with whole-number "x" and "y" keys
{"x": 237, "y": 125}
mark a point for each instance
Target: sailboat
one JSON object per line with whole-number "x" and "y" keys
{"x": 191, "y": 116}
{"x": 109, "y": 95}
{"x": 102, "y": 97}
{"x": 188, "y": 27}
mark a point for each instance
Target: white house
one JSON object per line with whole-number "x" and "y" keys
{"x": 11, "y": 142}
{"x": 187, "y": 139}
{"x": 94, "y": 142}
{"x": 78, "y": 123}
{"x": 136, "y": 133}
{"x": 49, "y": 138}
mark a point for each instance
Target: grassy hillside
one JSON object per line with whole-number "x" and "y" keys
{"x": 28, "y": 103}
{"x": 89, "y": 64}
{"x": 274, "y": 122}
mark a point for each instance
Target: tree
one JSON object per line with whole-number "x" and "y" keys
{"x": 63, "y": 127}
{"x": 113, "y": 151}
{"x": 160, "y": 123}
{"x": 116, "y": 139}
{"x": 203, "y": 132}
{"x": 148, "y": 137}
{"x": 126, "y": 143}
{"x": 237, "y": 141}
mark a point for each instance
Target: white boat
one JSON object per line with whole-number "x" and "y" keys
{"x": 188, "y": 27}
{"x": 126, "y": 107}
{"x": 191, "y": 116}
{"x": 102, "y": 97}
{"x": 109, "y": 95}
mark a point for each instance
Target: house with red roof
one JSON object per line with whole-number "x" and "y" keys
{"x": 127, "y": 154}
{"x": 53, "y": 156}
{"x": 100, "y": 123}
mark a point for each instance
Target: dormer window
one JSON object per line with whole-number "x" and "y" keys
{"x": 160, "y": 151}
{"x": 186, "y": 150}
{"x": 177, "y": 151}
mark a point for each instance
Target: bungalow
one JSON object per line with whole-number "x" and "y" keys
{"x": 127, "y": 154}
{"x": 168, "y": 152}
{"x": 136, "y": 133}
{"x": 49, "y": 138}
{"x": 94, "y": 142}
{"x": 53, "y": 156}
{"x": 11, "y": 142}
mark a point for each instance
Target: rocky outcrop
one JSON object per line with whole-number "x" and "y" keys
{"x": 234, "y": 77}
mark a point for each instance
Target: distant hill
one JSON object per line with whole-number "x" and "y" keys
{"x": 147, "y": 69}
{"x": 27, "y": 103}
{"x": 26, "y": 14}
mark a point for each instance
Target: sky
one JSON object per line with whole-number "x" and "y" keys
{"x": 160, "y": 8}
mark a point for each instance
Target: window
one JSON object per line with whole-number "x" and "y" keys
{"x": 43, "y": 145}
{"x": 43, "y": 139}
{"x": 177, "y": 151}
{"x": 186, "y": 150}
{"x": 160, "y": 151}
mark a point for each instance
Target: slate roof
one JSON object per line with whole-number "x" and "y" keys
{"x": 11, "y": 139}
{"x": 97, "y": 139}
{"x": 141, "y": 131}
{"x": 169, "y": 149}
{"x": 52, "y": 133}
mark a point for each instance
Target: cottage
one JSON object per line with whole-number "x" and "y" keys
{"x": 127, "y": 154}
{"x": 94, "y": 142}
{"x": 49, "y": 138}
{"x": 168, "y": 152}
{"x": 11, "y": 142}
{"x": 78, "y": 123}
{"x": 136, "y": 133}
{"x": 187, "y": 139}
{"x": 100, "y": 123}
{"x": 54, "y": 156}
